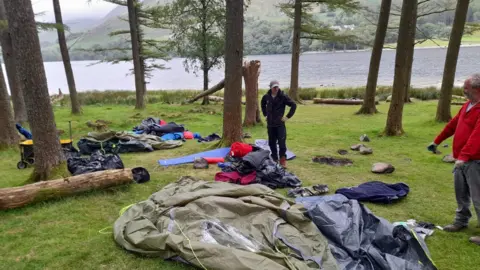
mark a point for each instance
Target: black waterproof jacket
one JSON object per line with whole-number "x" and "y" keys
{"x": 274, "y": 108}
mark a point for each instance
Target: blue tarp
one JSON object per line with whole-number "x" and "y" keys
{"x": 24, "y": 132}
{"x": 221, "y": 152}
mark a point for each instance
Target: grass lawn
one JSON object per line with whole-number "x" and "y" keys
{"x": 64, "y": 233}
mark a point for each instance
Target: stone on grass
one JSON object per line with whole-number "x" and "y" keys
{"x": 448, "y": 159}
{"x": 342, "y": 152}
{"x": 365, "y": 150}
{"x": 356, "y": 147}
{"x": 364, "y": 138}
{"x": 382, "y": 168}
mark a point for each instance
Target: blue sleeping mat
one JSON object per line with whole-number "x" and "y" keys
{"x": 221, "y": 152}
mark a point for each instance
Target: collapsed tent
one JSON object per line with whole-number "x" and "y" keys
{"x": 362, "y": 241}
{"x": 122, "y": 142}
{"x": 216, "y": 225}
{"x": 268, "y": 172}
{"x": 264, "y": 145}
{"x": 155, "y": 126}
{"x": 376, "y": 192}
{"x": 96, "y": 162}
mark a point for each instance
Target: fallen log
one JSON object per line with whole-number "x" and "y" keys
{"x": 219, "y": 99}
{"x": 339, "y": 101}
{"x": 457, "y": 103}
{"x": 219, "y": 86}
{"x": 16, "y": 197}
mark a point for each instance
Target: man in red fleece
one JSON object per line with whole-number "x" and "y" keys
{"x": 465, "y": 127}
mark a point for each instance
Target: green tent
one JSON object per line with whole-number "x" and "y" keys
{"x": 216, "y": 225}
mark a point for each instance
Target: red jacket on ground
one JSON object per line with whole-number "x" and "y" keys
{"x": 465, "y": 127}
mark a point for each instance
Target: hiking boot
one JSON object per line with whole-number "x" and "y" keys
{"x": 475, "y": 240}
{"x": 454, "y": 228}
{"x": 283, "y": 162}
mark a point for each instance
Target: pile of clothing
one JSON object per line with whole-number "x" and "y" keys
{"x": 122, "y": 142}
{"x": 158, "y": 127}
{"x": 96, "y": 162}
{"x": 256, "y": 167}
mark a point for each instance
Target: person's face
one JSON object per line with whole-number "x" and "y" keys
{"x": 471, "y": 94}
{"x": 275, "y": 90}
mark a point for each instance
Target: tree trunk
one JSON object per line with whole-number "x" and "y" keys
{"x": 251, "y": 71}
{"x": 411, "y": 54}
{"x": 137, "y": 64}
{"x": 219, "y": 86}
{"x": 16, "y": 197}
{"x": 232, "y": 105}
{"x": 205, "y": 85}
{"x": 141, "y": 51}
{"x": 62, "y": 41}
{"x": 26, "y": 46}
{"x": 443, "y": 107}
{"x": 297, "y": 23}
{"x": 8, "y": 134}
{"x": 395, "y": 113}
{"x": 16, "y": 89}
{"x": 368, "y": 106}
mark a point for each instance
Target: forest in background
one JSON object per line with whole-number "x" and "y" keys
{"x": 268, "y": 30}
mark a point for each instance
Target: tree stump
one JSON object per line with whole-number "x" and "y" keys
{"x": 251, "y": 72}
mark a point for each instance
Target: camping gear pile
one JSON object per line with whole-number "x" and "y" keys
{"x": 96, "y": 162}
{"x": 217, "y": 225}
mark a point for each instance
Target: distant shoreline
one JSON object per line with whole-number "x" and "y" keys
{"x": 390, "y": 49}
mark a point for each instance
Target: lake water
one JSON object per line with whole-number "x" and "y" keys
{"x": 316, "y": 69}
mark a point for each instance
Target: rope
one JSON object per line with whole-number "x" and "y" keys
{"x": 190, "y": 244}
{"x": 102, "y": 231}
{"x": 124, "y": 209}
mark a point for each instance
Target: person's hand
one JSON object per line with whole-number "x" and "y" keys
{"x": 432, "y": 147}
{"x": 284, "y": 119}
{"x": 459, "y": 164}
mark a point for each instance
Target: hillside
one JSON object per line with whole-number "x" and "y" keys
{"x": 264, "y": 23}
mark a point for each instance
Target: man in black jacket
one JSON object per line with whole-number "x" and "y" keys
{"x": 273, "y": 108}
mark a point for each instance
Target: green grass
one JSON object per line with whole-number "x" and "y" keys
{"x": 64, "y": 233}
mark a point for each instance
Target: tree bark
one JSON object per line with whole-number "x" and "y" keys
{"x": 62, "y": 41}
{"x": 16, "y": 89}
{"x": 205, "y": 85}
{"x": 443, "y": 108}
{"x": 251, "y": 71}
{"x": 8, "y": 134}
{"x": 137, "y": 64}
{"x": 395, "y": 113}
{"x": 297, "y": 24}
{"x": 204, "y": 50}
{"x": 26, "y": 45}
{"x": 232, "y": 105}
{"x": 16, "y": 197}
{"x": 219, "y": 86}
{"x": 411, "y": 54}
{"x": 141, "y": 50}
{"x": 368, "y": 106}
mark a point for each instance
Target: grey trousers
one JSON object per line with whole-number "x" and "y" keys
{"x": 467, "y": 188}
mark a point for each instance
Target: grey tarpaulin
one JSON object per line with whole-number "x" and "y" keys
{"x": 264, "y": 145}
{"x": 360, "y": 240}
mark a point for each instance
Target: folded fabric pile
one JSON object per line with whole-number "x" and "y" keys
{"x": 308, "y": 191}
{"x": 122, "y": 142}
{"x": 96, "y": 162}
{"x": 376, "y": 192}
{"x": 259, "y": 164}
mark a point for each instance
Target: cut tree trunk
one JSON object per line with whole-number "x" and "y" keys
{"x": 219, "y": 86}
{"x": 411, "y": 54}
{"x": 297, "y": 24}
{"x": 251, "y": 72}
{"x": 16, "y": 89}
{"x": 137, "y": 64}
{"x": 8, "y": 133}
{"x": 368, "y": 106}
{"x": 443, "y": 108}
{"x": 26, "y": 46}
{"x": 16, "y": 197}
{"x": 232, "y": 105}
{"x": 395, "y": 113}
{"x": 340, "y": 101}
{"x": 62, "y": 41}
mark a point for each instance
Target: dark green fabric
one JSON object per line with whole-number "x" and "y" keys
{"x": 220, "y": 225}
{"x": 156, "y": 142}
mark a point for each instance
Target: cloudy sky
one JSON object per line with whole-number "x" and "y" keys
{"x": 72, "y": 9}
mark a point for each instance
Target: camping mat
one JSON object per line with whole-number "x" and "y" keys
{"x": 221, "y": 152}
{"x": 264, "y": 145}
{"x": 362, "y": 241}
{"x": 216, "y": 225}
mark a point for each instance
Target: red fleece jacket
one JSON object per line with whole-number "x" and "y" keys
{"x": 465, "y": 127}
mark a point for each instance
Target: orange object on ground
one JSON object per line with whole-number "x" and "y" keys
{"x": 188, "y": 135}
{"x": 214, "y": 160}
